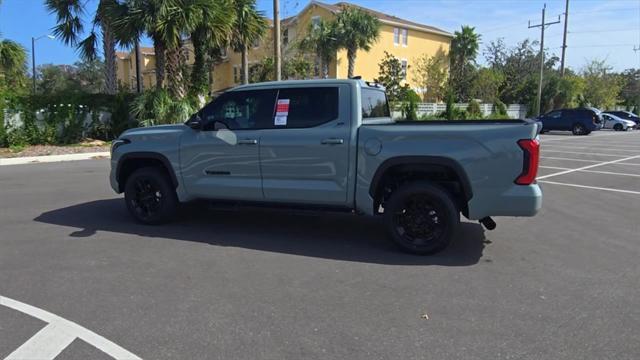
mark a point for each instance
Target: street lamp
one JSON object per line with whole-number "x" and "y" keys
{"x": 33, "y": 56}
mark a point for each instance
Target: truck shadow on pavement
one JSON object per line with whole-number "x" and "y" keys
{"x": 325, "y": 235}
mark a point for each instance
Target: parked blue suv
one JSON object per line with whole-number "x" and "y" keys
{"x": 579, "y": 121}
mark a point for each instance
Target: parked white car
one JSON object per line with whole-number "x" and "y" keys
{"x": 616, "y": 123}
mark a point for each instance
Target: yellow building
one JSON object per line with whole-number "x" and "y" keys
{"x": 126, "y": 69}
{"x": 403, "y": 39}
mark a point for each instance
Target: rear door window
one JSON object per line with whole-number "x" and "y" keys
{"x": 374, "y": 104}
{"x": 305, "y": 107}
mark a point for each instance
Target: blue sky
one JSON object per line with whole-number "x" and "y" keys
{"x": 604, "y": 29}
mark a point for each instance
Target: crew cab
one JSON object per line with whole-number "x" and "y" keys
{"x": 331, "y": 144}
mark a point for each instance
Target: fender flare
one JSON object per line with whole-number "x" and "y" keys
{"x": 141, "y": 155}
{"x": 423, "y": 160}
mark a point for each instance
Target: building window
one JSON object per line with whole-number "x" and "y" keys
{"x": 404, "y": 68}
{"x": 223, "y": 52}
{"x": 400, "y": 36}
{"x": 256, "y": 43}
{"x": 315, "y": 21}
{"x": 236, "y": 74}
{"x": 285, "y": 37}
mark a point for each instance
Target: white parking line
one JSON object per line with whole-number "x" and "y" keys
{"x": 580, "y": 153}
{"x": 626, "y": 163}
{"x": 591, "y": 171}
{"x": 590, "y": 187}
{"x": 584, "y": 138}
{"x": 614, "y": 148}
{"x": 561, "y": 158}
{"x": 588, "y": 167}
{"x": 57, "y": 335}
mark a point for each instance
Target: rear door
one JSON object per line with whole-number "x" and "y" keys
{"x": 304, "y": 156}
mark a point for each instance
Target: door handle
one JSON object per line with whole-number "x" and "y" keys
{"x": 332, "y": 141}
{"x": 247, "y": 142}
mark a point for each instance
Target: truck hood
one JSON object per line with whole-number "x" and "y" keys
{"x": 158, "y": 130}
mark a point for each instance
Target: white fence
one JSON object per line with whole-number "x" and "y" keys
{"x": 515, "y": 111}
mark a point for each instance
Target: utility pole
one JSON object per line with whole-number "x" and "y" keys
{"x": 139, "y": 80}
{"x": 33, "y": 62}
{"x": 542, "y": 26}
{"x": 33, "y": 57}
{"x": 564, "y": 37}
{"x": 276, "y": 39}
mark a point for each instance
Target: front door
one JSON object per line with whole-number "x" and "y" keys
{"x": 222, "y": 160}
{"x": 305, "y": 154}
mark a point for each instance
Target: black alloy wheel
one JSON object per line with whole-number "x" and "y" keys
{"x": 422, "y": 218}
{"x": 150, "y": 196}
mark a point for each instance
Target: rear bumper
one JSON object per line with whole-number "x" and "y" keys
{"x": 518, "y": 200}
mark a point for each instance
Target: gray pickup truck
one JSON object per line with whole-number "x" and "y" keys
{"x": 331, "y": 144}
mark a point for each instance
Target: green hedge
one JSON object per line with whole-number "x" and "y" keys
{"x": 63, "y": 118}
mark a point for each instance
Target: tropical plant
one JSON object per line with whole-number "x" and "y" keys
{"x": 356, "y": 30}
{"x": 464, "y": 48}
{"x": 209, "y": 38}
{"x": 321, "y": 40}
{"x": 167, "y": 23}
{"x": 157, "y": 107}
{"x": 70, "y": 27}
{"x": 249, "y": 27}
{"x": 13, "y": 59}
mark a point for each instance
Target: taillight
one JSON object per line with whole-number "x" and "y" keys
{"x": 531, "y": 148}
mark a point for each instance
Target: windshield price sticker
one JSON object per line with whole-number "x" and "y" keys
{"x": 282, "y": 111}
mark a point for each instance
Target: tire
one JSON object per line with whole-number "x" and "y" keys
{"x": 578, "y": 129}
{"x": 421, "y": 218}
{"x": 150, "y": 196}
{"x": 617, "y": 127}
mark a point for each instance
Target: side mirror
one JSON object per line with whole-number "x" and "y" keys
{"x": 195, "y": 122}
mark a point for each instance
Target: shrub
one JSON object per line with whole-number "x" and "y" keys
{"x": 499, "y": 108}
{"x": 409, "y": 109}
{"x": 474, "y": 109}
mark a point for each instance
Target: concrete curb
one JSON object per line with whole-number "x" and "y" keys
{"x": 52, "y": 158}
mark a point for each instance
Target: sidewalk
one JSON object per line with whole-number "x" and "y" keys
{"x": 53, "y": 158}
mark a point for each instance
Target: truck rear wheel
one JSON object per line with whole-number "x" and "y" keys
{"x": 421, "y": 218}
{"x": 150, "y": 196}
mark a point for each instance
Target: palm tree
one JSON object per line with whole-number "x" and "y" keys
{"x": 13, "y": 58}
{"x": 356, "y": 30}
{"x": 464, "y": 49}
{"x": 133, "y": 19}
{"x": 69, "y": 27}
{"x": 322, "y": 41}
{"x": 209, "y": 37}
{"x": 249, "y": 26}
{"x": 464, "y": 46}
{"x": 167, "y": 23}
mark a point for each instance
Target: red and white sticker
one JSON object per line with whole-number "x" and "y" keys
{"x": 282, "y": 111}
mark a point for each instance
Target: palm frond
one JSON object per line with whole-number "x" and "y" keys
{"x": 87, "y": 48}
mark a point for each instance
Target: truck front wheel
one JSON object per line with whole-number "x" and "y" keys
{"x": 421, "y": 218}
{"x": 149, "y": 195}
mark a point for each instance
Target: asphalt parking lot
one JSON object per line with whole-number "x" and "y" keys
{"x": 79, "y": 278}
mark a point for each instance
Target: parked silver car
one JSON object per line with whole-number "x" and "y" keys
{"x": 611, "y": 121}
